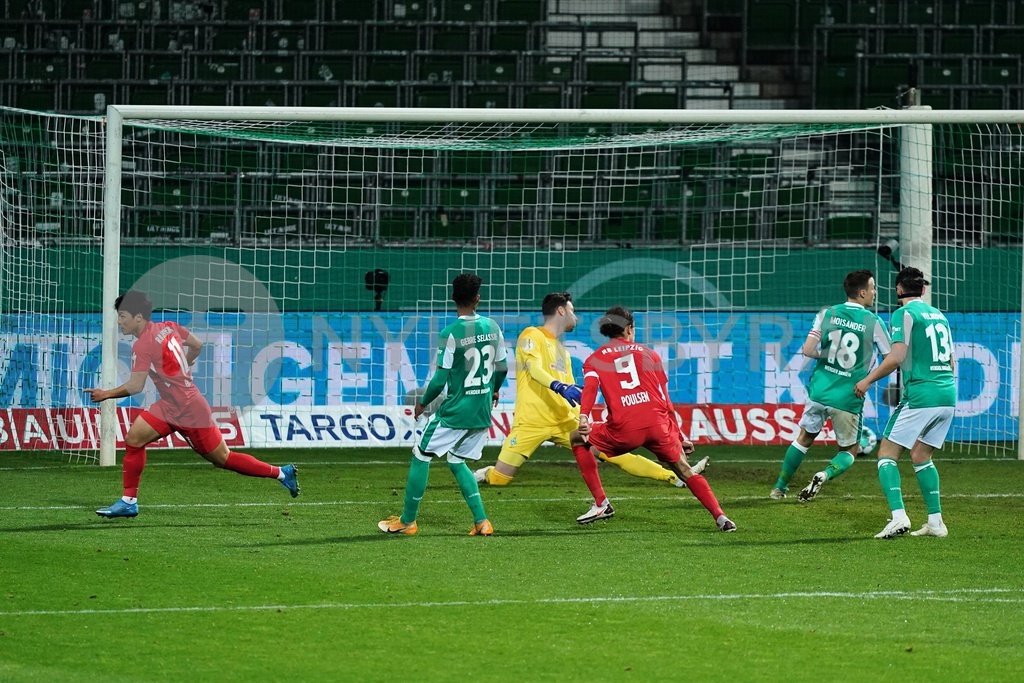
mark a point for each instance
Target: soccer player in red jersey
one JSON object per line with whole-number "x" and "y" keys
{"x": 632, "y": 379}
{"x": 165, "y": 352}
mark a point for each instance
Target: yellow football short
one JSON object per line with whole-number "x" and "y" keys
{"x": 523, "y": 440}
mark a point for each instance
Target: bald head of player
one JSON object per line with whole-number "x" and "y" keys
{"x": 618, "y": 323}
{"x": 559, "y": 313}
{"x": 134, "y": 311}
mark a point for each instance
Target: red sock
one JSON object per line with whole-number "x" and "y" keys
{"x": 250, "y": 466}
{"x": 700, "y": 489}
{"x": 588, "y": 468}
{"x": 131, "y": 469}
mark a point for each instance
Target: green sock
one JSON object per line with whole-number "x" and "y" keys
{"x": 470, "y": 489}
{"x": 928, "y": 480}
{"x": 794, "y": 456}
{"x": 839, "y": 464}
{"x": 889, "y": 478}
{"x": 415, "y": 485}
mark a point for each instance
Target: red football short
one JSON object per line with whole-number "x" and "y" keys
{"x": 662, "y": 439}
{"x": 196, "y": 425}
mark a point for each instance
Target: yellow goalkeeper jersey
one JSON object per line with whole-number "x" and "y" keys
{"x": 540, "y": 360}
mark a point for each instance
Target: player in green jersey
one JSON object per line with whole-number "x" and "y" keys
{"x": 922, "y": 347}
{"x": 842, "y": 340}
{"x": 471, "y": 363}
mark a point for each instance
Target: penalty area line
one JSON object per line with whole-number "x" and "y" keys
{"x": 967, "y": 595}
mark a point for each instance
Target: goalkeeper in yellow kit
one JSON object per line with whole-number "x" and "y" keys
{"x": 547, "y": 401}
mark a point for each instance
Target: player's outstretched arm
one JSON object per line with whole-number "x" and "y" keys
{"x": 897, "y": 354}
{"x": 135, "y": 384}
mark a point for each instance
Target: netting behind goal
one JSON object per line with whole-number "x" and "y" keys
{"x": 315, "y": 258}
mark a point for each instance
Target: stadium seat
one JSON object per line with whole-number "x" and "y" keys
{"x": 219, "y": 68}
{"x": 509, "y": 38}
{"x": 319, "y": 96}
{"x": 396, "y": 225}
{"x": 601, "y": 98}
{"x": 389, "y": 37}
{"x": 815, "y": 13}
{"x": 89, "y": 97}
{"x": 382, "y": 68}
{"x": 208, "y": 96}
{"x": 663, "y": 99}
{"x": 1007, "y": 218}
{"x": 149, "y": 94}
{"x": 273, "y": 69}
{"x": 464, "y": 10}
{"x": 452, "y": 39}
{"x": 999, "y": 71}
{"x": 867, "y": 12}
{"x": 231, "y": 39}
{"x": 440, "y": 98}
{"x": 301, "y": 10}
{"x": 1007, "y": 42}
{"x": 364, "y": 10}
{"x": 543, "y": 98}
{"x": 280, "y": 39}
{"x": 920, "y": 12}
{"x": 957, "y": 41}
{"x": 969, "y": 12}
{"x": 157, "y": 66}
{"x": 343, "y": 38}
{"x": 843, "y": 45}
{"x": 242, "y": 10}
{"x": 263, "y": 96}
{"x": 496, "y": 69}
{"x": 900, "y": 41}
{"x": 605, "y": 71}
{"x": 942, "y": 72}
{"x": 376, "y": 97}
{"x": 771, "y": 24}
{"x": 331, "y": 68}
{"x": 74, "y": 10}
{"x": 442, "y": 69}
{"x": 35, "y": 97}
{"x": 410, "y": 10}
{"x": 520, "y": 10}
{"x": 553, "y": 71}
{"x": 836, "y": 86}
{"x": 45, "y": 67}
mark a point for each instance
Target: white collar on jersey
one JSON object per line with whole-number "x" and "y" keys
{"x": 469, "y": 317}
{"x": 854, "y": 304}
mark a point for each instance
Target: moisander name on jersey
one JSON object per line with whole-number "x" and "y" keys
{"x": 467, "y": 341}
{"x": 636, "y": 399}
{"x": 848, "y": 324}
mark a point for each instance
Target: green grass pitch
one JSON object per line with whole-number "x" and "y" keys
{"x": 224, "y": 578}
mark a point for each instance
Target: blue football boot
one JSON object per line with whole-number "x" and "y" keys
{"x": 290, "y": 481}
{"x": 119, "y": 509}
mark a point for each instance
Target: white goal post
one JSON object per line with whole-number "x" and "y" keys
{"x": 644, "y": 132}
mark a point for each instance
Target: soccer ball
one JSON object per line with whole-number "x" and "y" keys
{"x": 868, "y": 440}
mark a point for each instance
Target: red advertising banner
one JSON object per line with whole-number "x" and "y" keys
{"x": 55, "y": 429}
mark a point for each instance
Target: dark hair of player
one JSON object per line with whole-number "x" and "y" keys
{"x": 136, "y": 303}
{"x": 553, "y": 301}
{"x": 615, "y": 321}
{"x": 912, "y": 280}
{"x": 465, "y": 287}
{"x": 856, "y": 281}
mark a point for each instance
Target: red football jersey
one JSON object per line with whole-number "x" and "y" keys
{"x": 633, "y": 380}
{"x": 159, "y": 351}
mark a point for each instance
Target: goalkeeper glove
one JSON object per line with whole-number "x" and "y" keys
{"x": 571, "y": 393}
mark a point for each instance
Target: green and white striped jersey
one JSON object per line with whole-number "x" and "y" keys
{"x": 928, "y": 380}
{"x": 848, "y": 333}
